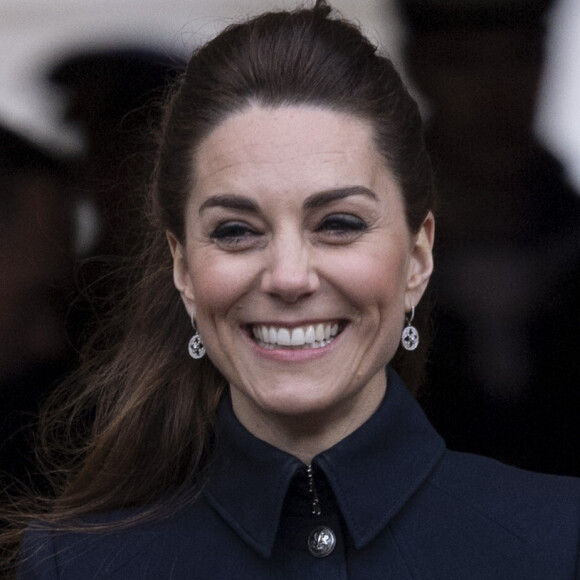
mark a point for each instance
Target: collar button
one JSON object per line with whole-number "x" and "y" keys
{"x": 321, "y": 542}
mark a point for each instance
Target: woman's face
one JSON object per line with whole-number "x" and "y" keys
{"x": 298, "y": 265}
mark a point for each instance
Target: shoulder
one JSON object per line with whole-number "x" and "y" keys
{"x": 100, "y": 546}
{"x": 49, "y": 552}
{"x": 535, "y": 506}
{"x": 124, "y": 545}
{"x": 474, "y": 517}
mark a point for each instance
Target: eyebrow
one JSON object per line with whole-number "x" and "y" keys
{"x": 325, "y": 197}
{"x": 230, "y": 201}
{"x": 315, "y": 201}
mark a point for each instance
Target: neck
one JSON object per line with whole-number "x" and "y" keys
{"x": 307, "y": 439}
{"x": 307, "y": 434}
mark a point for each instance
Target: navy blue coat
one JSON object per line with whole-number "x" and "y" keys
{"x": 401, "y": 507}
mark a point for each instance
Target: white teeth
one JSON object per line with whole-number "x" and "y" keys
{"x": 314, "y": 336}
{"x": 283, "y": 337}
{"x": 297, "y": 337}
{"x": 319, "y": 332}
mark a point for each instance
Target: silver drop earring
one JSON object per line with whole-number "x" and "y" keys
{"x": 195, "y": 346}
{"x": 410, "y": 337}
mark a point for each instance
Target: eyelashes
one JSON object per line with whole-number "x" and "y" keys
{"x": 235, "y": 235}
{"x": 233, "y": 230}
{"x": 333, "y": 229}
{"x": 342, "y": 225}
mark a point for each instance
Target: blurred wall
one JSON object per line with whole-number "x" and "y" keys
{"x": 35, "y": 33}
{"x": 558, "y": 119}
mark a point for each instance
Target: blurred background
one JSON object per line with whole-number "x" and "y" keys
{"x": 498, "y": 82}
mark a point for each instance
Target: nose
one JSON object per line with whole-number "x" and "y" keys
{"x": 290, "y": 273}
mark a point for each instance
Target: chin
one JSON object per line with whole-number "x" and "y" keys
{"x": 301, "y": 400}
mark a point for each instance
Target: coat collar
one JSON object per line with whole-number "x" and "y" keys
{"x": 372, "y": 472}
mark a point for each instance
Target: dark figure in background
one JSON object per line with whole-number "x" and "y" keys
{"x": 36, "y": 272}
{"x": 44, "y": 305}
{"x": 113, "y": 101}
{"x": 504, "y": 373}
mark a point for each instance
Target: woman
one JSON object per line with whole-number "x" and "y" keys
{"x": 294, "y": 190}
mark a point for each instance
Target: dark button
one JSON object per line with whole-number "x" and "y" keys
{"x": 321, "y": 542}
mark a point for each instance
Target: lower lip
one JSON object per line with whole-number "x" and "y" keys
{"x": 296, "y": 354}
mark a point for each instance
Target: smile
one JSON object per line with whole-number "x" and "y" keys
{"x": 309, "y": 336}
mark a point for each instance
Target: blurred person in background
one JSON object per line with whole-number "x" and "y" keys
{"x": 59, "y": 272}
{"x": 504, "y": 371}
{"x": 112, "y": 95}
{"x": 36, "y": 262}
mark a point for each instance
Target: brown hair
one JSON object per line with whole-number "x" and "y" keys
{"x": 150, "y": 408}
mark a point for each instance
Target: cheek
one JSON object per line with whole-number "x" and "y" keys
{"x": 376, "y": 277}
{"x": 220, "y": 284}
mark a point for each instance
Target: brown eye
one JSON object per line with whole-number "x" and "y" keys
{"x": 235, "y": 235}
{"x": 342, "y": 225}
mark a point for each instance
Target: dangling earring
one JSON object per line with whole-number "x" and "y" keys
{"x": 410, "y": 337}
{"x": 195, "y": 347}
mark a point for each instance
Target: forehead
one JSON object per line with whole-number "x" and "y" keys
{"x": 288, "y": 144}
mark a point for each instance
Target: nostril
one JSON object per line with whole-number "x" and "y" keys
{"x": 289, "y": 273}
{"x": 290, "y": 284}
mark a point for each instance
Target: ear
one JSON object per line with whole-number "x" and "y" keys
{"x": 420, "y": 263}
{"x": 181, "y": 275}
